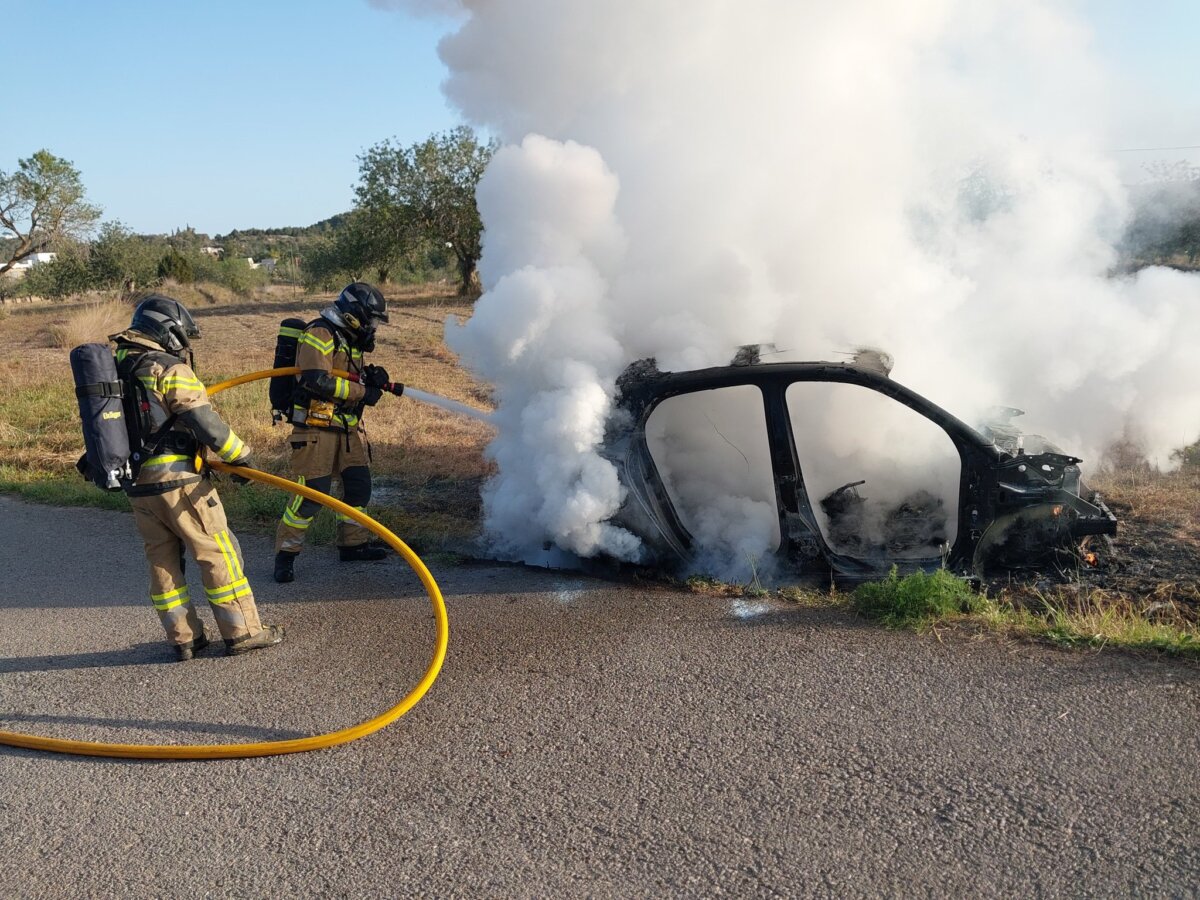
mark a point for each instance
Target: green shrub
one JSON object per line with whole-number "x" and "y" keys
{"x": 917, "y": 599}
{"x": 176, "y": 266}
{"x": 64, "y": 276}
{"x": 237, "y": 275}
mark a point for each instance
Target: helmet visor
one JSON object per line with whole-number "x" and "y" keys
{"x": 186, "y": 323}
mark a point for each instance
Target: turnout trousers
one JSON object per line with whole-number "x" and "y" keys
{"x": 319, "y": 455}
{"x": 192, "y": 517}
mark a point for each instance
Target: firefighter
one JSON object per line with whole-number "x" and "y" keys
{"x": 327, "y": 437}
{"x": 174, "y": 506}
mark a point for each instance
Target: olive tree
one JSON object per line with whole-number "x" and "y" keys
{"x": 42, "y": 205}
{"x": 424, "y": 195}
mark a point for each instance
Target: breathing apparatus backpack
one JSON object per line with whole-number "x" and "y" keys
{"x": 114, "y": 410}
{"x": 283, "y": 387}
{"x": 102, "y": 413}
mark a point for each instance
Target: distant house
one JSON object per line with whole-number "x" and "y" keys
{"x": 34, "y": 259}
{"x": 267, "y": 263}
{"x": 251, "y": 263}
{"x": 212, "y": 251}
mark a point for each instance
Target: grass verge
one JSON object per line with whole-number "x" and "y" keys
{"x": 1064, "y": 617}
{"x": 918, "y": 599}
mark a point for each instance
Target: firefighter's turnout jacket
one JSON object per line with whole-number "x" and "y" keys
{"x": 327, "y": 435}
{"x": 175, "y": 394}
{"x": 322, "y": 399}
{"x": 174, "y": 507}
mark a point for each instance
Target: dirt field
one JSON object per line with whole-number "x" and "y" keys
{"x": 429, "y": 463}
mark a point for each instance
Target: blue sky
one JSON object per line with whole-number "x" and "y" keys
{"x": 228, "y": 115}
{"x": 217, "y": 114}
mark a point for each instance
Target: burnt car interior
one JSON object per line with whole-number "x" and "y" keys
{"x": 836, "y": 470}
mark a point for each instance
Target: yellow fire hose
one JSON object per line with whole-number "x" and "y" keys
{"x": 297, "y": 745}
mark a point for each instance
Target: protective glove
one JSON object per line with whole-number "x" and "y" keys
{"x": 375, "y": 376}
{"x": 372, "y": 396}
{"x": 241, "y": 461}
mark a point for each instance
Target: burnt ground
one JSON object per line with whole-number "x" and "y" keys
{"x": 1153, "y": 563}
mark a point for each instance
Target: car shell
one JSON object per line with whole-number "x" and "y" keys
{"x": 1014, "y": 509}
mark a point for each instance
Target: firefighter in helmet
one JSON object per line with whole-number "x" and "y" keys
{"x": 174, "y": 506}
{"x": 327, "y": 436}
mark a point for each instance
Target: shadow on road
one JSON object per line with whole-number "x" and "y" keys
{"x": 150, "y": 653}
{"x": 253, "y": 732}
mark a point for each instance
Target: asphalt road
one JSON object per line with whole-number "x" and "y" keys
{"x": 584, "y": 738}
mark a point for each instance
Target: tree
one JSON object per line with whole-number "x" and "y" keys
{"x": 351, "y": 252}
{"x": 42, "y": 205}
{"x": 65, "y": 275}
{"x": 425, "y": 194}
{"x": 121, "y": 260}
{"x": 176, "y": 266}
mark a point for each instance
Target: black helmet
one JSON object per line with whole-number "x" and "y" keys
{"x": 166, "y": 322}
{"x": 362, "y": 307}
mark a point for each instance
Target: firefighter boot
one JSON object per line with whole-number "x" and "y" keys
{"x": 268, "y": 637}
{"x": 188, "y": 649}
{"x": 284, "y": 561}
{"x": 362, "y": 553}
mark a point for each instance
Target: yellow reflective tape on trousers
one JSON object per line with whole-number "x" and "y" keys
{"x": 294, "y": 506}
{"x": 292, "y": 520}
{"x": 237, "y": 559}
{"x": 170, "y": 599}
{"x": 227, "y": 551}
{"x": 236, "y": 567}
{"x": 221, "y": 595}
{"x": 342, "y": 517}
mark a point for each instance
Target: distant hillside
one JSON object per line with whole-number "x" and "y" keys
{"x": 278, "y": 242}
{"x": 324, "y": 227}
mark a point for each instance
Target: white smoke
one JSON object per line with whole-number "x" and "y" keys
{"x": 682, "y": 178}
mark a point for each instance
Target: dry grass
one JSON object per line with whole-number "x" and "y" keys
{"x": 428, "y": 463}
{"x": 1097, "y": 619}
{"x": 93, "y": 322}
{"x": 200, "y": 295}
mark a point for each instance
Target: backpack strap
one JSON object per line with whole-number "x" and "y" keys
{"x": 148, "y": 441}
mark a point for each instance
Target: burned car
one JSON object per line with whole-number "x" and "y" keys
{"x": 827, "y": 469}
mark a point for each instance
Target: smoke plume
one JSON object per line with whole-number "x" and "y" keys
{"x": 678, "y": 179}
